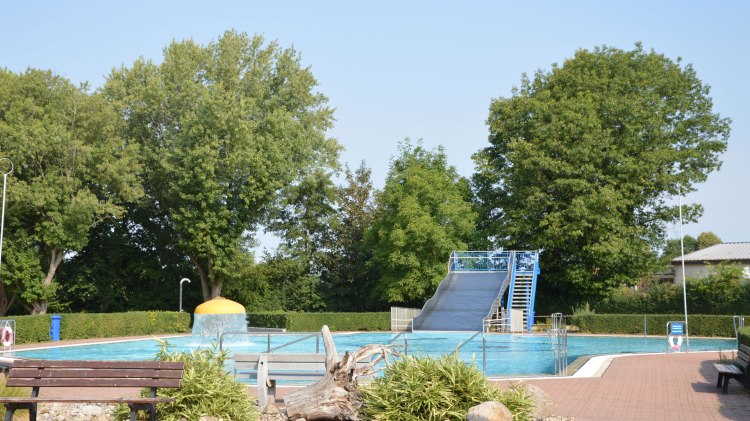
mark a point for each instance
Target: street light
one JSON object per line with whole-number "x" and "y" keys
{"x": 183, "y": 280}
{"x": 2, "y": 218}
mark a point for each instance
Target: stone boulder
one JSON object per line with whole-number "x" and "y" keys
{"x": 543, "y": 406}
{"x": 489, "y": 411}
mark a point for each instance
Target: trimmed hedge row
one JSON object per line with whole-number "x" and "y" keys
{"x": 632, "y": 324}
{"x": 745, "y": 336}
{"x": 312, "y": 322}
{"x": 33, "y": 329}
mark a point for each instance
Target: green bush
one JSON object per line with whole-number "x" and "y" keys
{"x": 632, "y": 324}
{"x": 207, "y": 390}
{"x": 745, "y": 336}
{"x": 34, "y": 329}
{"x": 441, "y": 388}
{"x": 312, "y": 322}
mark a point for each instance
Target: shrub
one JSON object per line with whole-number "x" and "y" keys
{"x": 441, "y": 388}
{"x": 10, "y": 392}
{"x": 33, "y": 329}
{"x": 312, "y": 322}
{"x": 632, "y": 324}
{"x": 207, "y": 390}
{"x": 745, "y": 336}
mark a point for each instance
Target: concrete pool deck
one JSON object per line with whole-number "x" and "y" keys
{"x": 626, "y": 387}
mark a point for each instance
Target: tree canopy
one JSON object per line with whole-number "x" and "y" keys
{"x": 223, "y": 129}
{"x": 73, "y": 170}
{"x": 423, "y": 212}
{"x": 583, "y": 159}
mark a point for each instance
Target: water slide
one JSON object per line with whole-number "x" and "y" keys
{"x": 462, "y": 301}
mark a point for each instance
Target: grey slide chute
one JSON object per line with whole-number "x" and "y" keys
{"x": 462, "y": 301}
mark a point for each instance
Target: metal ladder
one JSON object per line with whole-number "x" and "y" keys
{"x": 522, "y": 291}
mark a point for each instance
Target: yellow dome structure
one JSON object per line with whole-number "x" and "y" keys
{"x": 220, "y": 305}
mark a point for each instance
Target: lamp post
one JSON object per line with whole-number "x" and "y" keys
{"x": 2, "y": 218}
{"x": 183, "y": 280}
{"x": 684, "y": 287}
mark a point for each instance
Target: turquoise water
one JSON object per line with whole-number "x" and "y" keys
{"x": 505, "y": 354}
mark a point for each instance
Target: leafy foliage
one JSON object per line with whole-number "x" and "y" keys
{"x": 632, "y": 324}
{"x": 707, "y": 239}
{"x": 312, "y": 322}
{"x": 72, "y": 170}
{"x": 36, "y": 328}
{"x": 207, "y": 390}
{"x": 347, "y": 282}
{"x": 723, "y": 291}
{"x": 423, "y": 213}
{"x": 435, "y": 389}
{"x": 223, "y": 129}
{"x": 583, "y": 158}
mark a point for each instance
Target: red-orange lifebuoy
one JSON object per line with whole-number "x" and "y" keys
{"x": 7, "y": 336}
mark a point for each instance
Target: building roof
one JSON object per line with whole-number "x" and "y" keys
{"x": 719, "y": 253}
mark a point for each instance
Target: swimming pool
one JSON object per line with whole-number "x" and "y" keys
{"x": 506, "y": 355}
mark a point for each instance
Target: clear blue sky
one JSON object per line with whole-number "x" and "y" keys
{"x": 419, "y": 69}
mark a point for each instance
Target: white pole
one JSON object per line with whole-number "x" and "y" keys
{"x": 2, "y": 218}
{"x": 684, "y": 287}
{"x": 181, "y": 281}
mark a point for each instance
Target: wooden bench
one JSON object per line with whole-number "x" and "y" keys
{"x": 267, "y": 368}
{"x": 737, "y": 370}
{"x": 91, "y": 374}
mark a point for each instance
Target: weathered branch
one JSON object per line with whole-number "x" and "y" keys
{"x": 335, "y": 396}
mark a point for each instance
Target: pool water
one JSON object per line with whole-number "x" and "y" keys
{"x": 504, "y": 354}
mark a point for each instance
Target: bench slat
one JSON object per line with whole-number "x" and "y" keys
{"x": 148, "y": 373}
{"x": 744, "y": 348}
{"x": 84, "y": 400}
{"x": 91, "y": 382}
{"x": 162, "y": 365}
{"x": 727, "y": 368}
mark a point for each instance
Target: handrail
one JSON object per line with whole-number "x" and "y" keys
{"x": 484, "y": 349}
{"x": 268, "y": 335}
{"x": 504, "y": 287}
{"x": 406, "y": 342}
{"x": 317, "y": 342}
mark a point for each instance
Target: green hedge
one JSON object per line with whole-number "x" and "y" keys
{"x": 312, "y": 322}
{"x": 632, "y": 324}
{"x": 33, "y": 329}
{"x": 745, "y": 336}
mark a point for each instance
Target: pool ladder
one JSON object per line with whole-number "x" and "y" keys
{"x": 558, "y": 338}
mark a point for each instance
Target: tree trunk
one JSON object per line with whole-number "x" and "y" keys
{"x": 335, "y": 396}
{"x": 210, "y": 286}
{"x": 55, "y": 258}
{"x": 5, "y": 302}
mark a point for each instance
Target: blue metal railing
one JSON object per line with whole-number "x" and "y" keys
{"x": 470, "y": 261}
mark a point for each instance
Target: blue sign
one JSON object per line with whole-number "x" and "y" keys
{"x": 677, "y": 329}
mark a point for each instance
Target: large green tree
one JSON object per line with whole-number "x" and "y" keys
{"x": 346, "y": 279}
{"x": 584, "y": 158}
{"x": 424, "y": 212}
{"x": 223, "y": 128}
{"x": 72, "y": 170}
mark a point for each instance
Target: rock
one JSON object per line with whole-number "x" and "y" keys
{"x": 91, "y": 410}
{"x": 271, "y": 409}
{"x": 489, "y": 411}
{"x": 207, "y": 418}
{"x": 543, "y": 406}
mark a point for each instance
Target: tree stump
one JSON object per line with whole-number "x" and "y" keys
{"x": 335, "y": 396}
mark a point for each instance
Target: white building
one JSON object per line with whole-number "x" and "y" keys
{"x": 699, "y": 264}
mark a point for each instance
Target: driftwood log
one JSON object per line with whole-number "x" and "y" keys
{"x": 335, "y": 396}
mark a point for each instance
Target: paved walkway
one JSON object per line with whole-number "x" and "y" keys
{"x": 650, "y": 387}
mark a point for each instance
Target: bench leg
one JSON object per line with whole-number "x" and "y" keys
{"x": 721, "y": 377}
{"x": 135, "y": 407}
{"x": 9, "y": 412}
{"x": 725, "y": 386}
